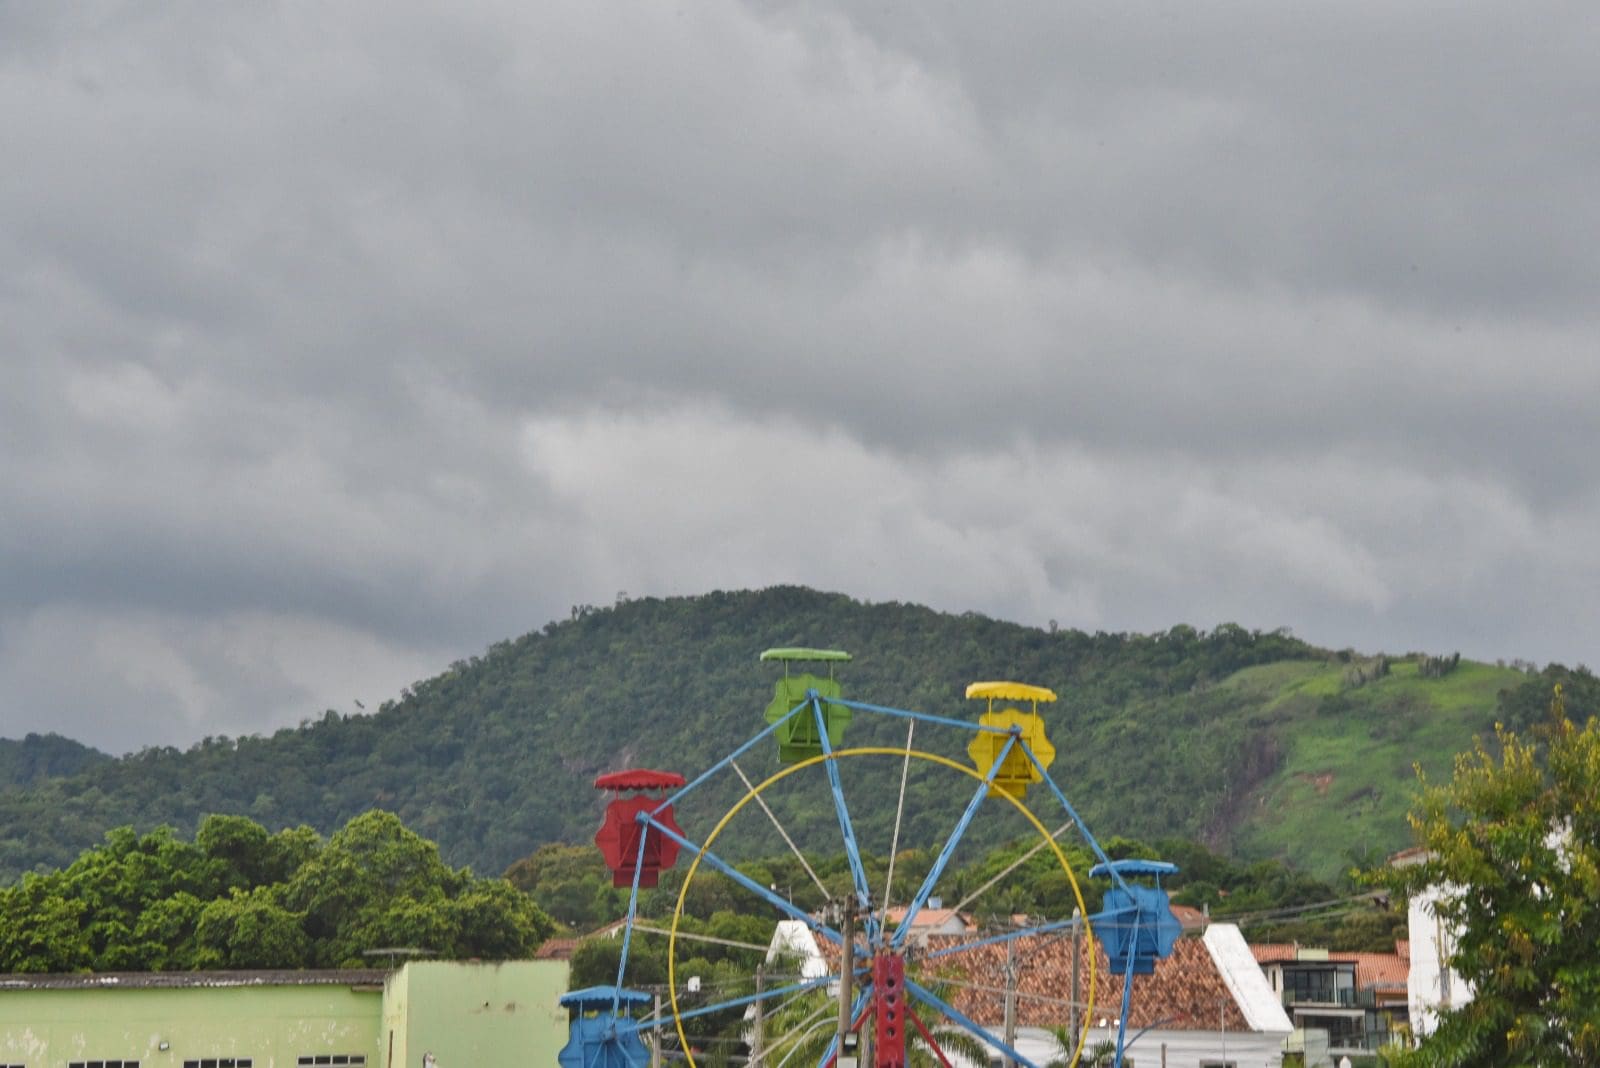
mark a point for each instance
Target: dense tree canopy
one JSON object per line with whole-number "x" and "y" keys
{"x": 1513, "y": 840}
{"x": 239, "y": 897}
{"x": 1269, "y": 898}
{"x": 495, "y": 756}
{"x": 1181, "y": 732}
{"x": 28, "y": 760}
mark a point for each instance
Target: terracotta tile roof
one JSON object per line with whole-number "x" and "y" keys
{"x": 1267, "y": 952}
{"x": 927, "y": 917}
{"x": 1191, "y": 918}
{"x": 556, "y": 949}
{"x": 1374, "y": 971}
{"x": 1379, "y": 971}
{"x": 1186, "y": 985}
{"x": 1184, "y": 994}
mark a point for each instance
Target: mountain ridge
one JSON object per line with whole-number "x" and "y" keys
{"x": 1169, "y": 733}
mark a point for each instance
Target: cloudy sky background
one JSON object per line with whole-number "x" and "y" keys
{"x": 340, "y": 341}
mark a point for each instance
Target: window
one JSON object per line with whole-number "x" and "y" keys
{"x": 103, "y": 1064}
{"x": 220, "y": 1062}
{"x": 1344, "y": 1032}
{"x": 331, "y": 1060}
{"x": 1219, "y": 1064}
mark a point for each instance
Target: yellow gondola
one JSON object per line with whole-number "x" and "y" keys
{"x": 1017, "y": 772}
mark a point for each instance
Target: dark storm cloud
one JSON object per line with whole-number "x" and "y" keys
{"x": 343, "y": 341}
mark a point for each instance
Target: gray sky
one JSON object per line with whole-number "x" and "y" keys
{"x": 340, "y": 341}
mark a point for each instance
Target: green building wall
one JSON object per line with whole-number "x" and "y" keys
{"x": 471, "y": 1015}
{"x": 162, "y": 1028}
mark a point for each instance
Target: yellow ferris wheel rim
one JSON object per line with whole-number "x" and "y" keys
{"x": 872, "y": 750}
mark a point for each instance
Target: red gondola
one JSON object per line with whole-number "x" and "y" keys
{"x": 618, "y": 836}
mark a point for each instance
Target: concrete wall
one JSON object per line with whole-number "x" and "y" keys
{"x": 1432, "y": 986}
{"x": 1183, "y": 1049}
{"x": 476, "y": 1015}
{"x": 272, "y": 1025}
{"x": 504, "y": 1015}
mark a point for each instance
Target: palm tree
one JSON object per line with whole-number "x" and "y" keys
{"x": 1100, "y": 1055}
{"x": 798, "y": 1034}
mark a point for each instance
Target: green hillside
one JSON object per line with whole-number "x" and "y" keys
{"x": 1345, "y": 773}
{"x": 1253, "y": 741}
{"x": 28, "y": 760}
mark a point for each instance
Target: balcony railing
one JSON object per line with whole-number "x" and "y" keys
{"x": 1345, "y": 998}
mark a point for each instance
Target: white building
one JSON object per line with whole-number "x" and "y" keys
{"x": 1433, "y": 987}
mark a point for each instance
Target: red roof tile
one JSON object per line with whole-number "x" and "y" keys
{"x": 556, "y": 949}
{"x": 1185, "y": 993}
{"x": 1266, "y": 952}
{"x": 926, "y": 917}
{"x": 1374, "y": 971}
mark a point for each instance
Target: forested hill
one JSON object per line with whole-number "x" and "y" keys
{"x": 43, "y": 756}
{"x": 1253, "y": 741}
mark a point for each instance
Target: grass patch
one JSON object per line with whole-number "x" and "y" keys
{"x": 1347, "y": 779}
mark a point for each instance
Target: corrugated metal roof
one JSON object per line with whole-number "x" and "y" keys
{"x": 177, "y": 980}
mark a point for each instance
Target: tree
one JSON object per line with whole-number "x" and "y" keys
{"x": 377, "y": 883}
{"x": 1100, "y": 1055}
{"x": 802, "y": 1030}
{"x": 249, "y": 929}
{"x": 1514, "y": 840}
{"x": 239, "y": 897}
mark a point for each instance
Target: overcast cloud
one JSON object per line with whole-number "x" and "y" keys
{"x": 340, "y": 341}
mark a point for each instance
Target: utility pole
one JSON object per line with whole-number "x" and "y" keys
{"x": 1077, "y": 936}
{"x": 756, "y": 1042}
{"x": 655, "y": 1041}
{"x": 847, "y": 971}
{"x": 1444, "y": 966}
{"x": 1011, "y": 1001}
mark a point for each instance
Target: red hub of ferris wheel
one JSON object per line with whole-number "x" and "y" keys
{"x": 889, "y": 1009}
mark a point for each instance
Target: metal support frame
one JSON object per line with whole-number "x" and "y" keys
{"x": 862, "y": 1001}
{"x": 950, "y": 844}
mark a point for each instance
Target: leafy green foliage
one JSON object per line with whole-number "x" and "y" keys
{"x": 1178, "y": 733}
{"x": 238, "y": 897}
{"x": 1513, "y": 839}
{"x": 44, "y": 756}
{"x": 571, "y": 883}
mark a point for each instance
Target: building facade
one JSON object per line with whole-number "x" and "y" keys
{"x": 1208, "y": 1005}
{"x": 422, "y": 1015}
{"x": 1357, "y": 1000}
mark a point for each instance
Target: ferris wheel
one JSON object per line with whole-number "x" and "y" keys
{"x": 872, "y": 985}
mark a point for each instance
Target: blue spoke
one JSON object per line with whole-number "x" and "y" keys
{"x": 926, "y": 717}
{"x": 950, "y": 847}
{"x": 729, "y": 759}
{"x": 734, "y": 1003}
{"x": 1127, "y": 994}
{"x": 627, "y": 930}
{"x": 858, "y": 873}
{"x": 1023, "y": 932}
{"x": 786, "y": 907}
{"x": 933, "y": 1001}
{"x": 1083, "y": 828}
